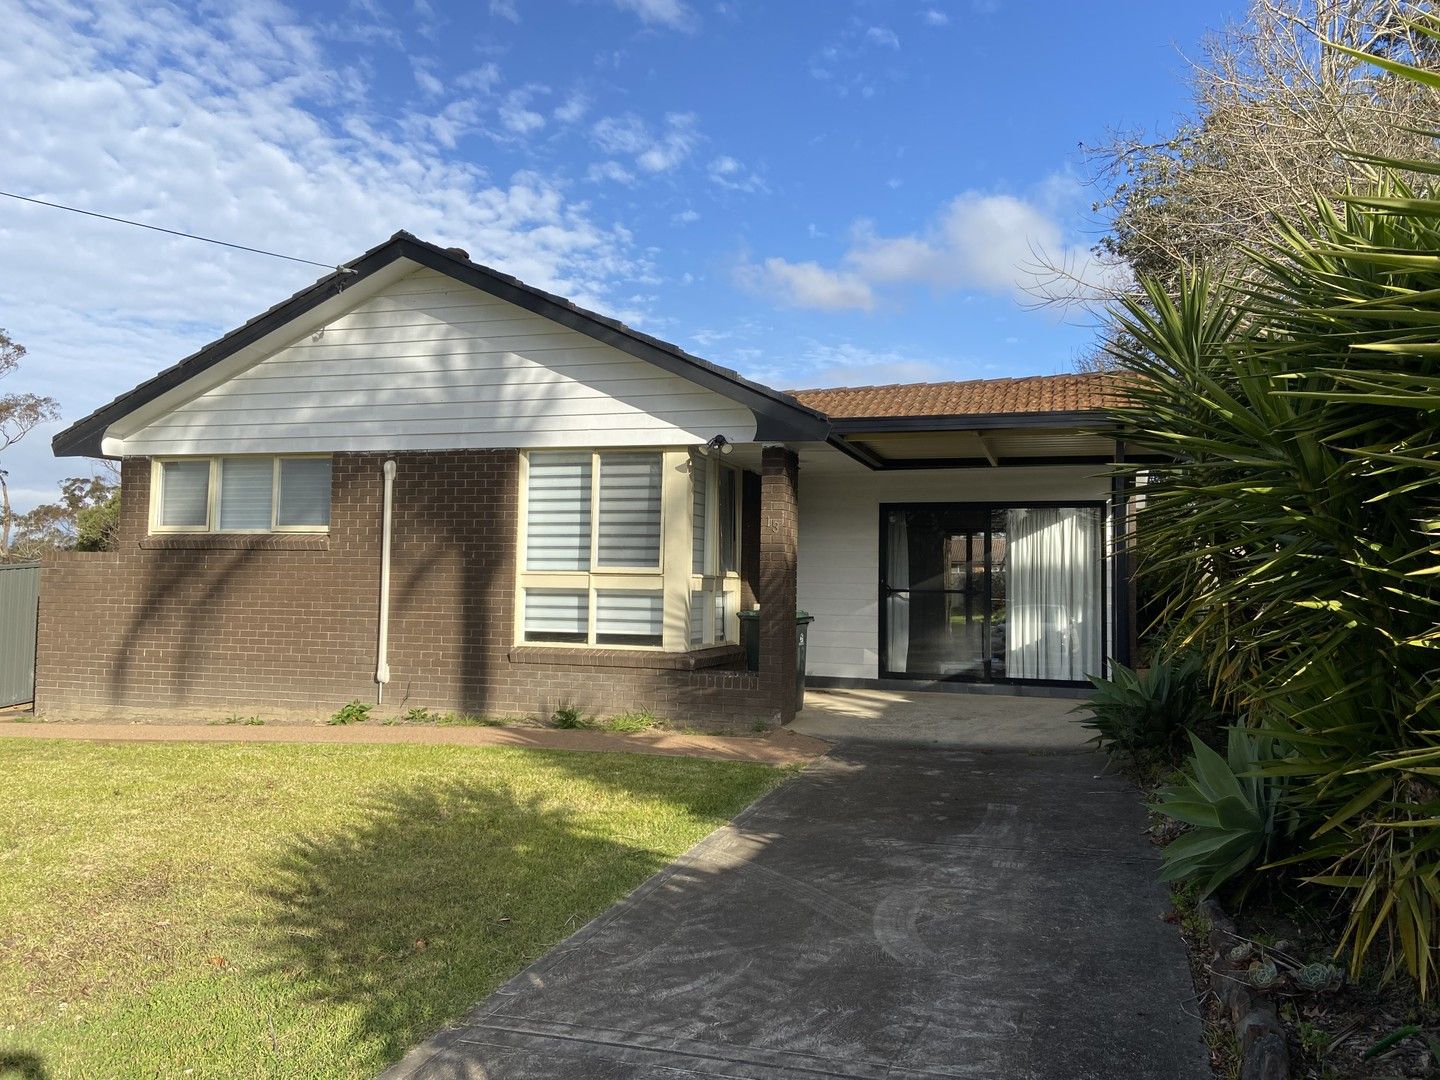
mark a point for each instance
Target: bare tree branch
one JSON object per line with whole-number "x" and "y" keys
{"x": 1278, "y": 118}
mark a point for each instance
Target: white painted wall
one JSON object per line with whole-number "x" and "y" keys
{"x": 840, "y": 541}
{"x": 431, "y": 363}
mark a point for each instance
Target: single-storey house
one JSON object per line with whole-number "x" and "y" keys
{"x": 425, "y": 482}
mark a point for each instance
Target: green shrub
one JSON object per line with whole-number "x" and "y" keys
{"x": 353, "y": 713}
{"x": 1292, "y": 522}
{"x": 569, "y": 716}
{"x": 418, "y": 714}
{"x": 1232, "y": 809}
{"x": 1142, "y": 718}
{"x": 642, "y": 720}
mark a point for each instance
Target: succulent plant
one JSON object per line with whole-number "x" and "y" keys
{"x": 1238, "y": 954}
{"x": 1319, "y": 977}
{"x": 1263, "y": 974}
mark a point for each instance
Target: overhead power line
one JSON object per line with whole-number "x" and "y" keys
{"x": 171, "y": 232}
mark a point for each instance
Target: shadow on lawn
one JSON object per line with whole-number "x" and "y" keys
{"x": 443, "y": 890}
{"x": 21, "y": 1066}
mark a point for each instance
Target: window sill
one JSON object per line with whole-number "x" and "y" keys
{"x": 586, "y": 656}
{"x": 236, "y": 542}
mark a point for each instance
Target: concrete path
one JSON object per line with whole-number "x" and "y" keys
{"x": 896, "y": 911}
{"x": 781, "y": 748}
{"x": 974, "y": 720}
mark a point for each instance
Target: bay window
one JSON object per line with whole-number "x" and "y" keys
{"x": 619, "y": 546}
{"x": 240, "y": 494}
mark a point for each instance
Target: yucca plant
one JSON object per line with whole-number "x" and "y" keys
{"x": 1231, "y": 806}
{"x": 1296, "y": 529}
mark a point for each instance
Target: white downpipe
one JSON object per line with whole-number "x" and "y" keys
{"x": 382, "y": 660}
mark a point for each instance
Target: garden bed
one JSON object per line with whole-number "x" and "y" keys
{"x": 1346, "y": 1031}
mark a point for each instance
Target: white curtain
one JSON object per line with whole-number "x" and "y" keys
{"x": 897, "y": 576}
{"x": 1053, "y": 615}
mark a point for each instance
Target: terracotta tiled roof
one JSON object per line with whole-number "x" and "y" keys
{"x": 1037, "y": 394}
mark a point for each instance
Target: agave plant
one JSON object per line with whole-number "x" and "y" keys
{"x": 1231, "y": 807}
{"x": 1296, "y": 533}
{"x": 1137, "y": 716}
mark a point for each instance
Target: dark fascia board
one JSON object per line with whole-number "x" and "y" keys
{"x": 858, "y": 452}
{"x": 1091, "y": 420}
{"x": 1050, "y": 461}
{"x": 778, "y": 417}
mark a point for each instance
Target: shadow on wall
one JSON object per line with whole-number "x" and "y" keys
{"x": 450, "y": 548}
{"x": 441, "y": 891}
{"x": 165, "y": 583}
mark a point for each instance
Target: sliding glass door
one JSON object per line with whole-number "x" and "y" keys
{"x": 981, "y": 592}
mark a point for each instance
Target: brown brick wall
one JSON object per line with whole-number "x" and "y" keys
{"x": 288, "y": 624}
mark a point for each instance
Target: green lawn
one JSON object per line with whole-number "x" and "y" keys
{"x": 225, "y": 910}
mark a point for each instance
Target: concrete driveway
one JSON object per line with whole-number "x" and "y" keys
{"x": 898, "y": 910}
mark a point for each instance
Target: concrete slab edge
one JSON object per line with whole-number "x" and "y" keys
{"x": 1251, "y": 1015}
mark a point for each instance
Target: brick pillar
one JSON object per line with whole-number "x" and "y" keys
{"x": 775, "y": 590}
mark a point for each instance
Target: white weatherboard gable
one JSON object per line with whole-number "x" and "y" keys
{"x": 430, "y": 363}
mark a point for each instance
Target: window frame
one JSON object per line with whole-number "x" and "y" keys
{"x": 672, "y": 578}
{"x": 212, "y": 502}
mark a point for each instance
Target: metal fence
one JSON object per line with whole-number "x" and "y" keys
{"x": 19, "y": 607}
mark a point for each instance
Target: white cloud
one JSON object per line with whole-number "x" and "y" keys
{"x": 516, "y": 115}
{"x": 611, "y": 171}
{"x": 479, "y": 80}
{"x": 653, "y": 153}
{"x": 621, "y": 134}
{"x": 505, "y": 9}
{"x": 850, "y": 62}
{"x": 935, "y": 17}
{"x": 685, "y": 217}
{"x": 673, "y": 145}
{"x": 238, "y": 124}
{"x": 732, "y": 175}
{"x": 572, "y": 109}
{"x": 855, "y": 365}
{"x": 807, "y": 285}
{"x": 670, "y": 13}
{"x": 426, "y": 79}
{"x": 978, "y": 241}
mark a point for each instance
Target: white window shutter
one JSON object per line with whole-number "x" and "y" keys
{"x": 245, "y": 493}
{"x": 625, "y": 614}
{"x": 699, "y": 486}
{"x": 557, "y": 520}
{"x": 629, "y": 532}
{"x": 304, "y": 492}
{"x": 185, "y": 493}
{"x": 697, "y": 618}
{"x": 556, "y": 614}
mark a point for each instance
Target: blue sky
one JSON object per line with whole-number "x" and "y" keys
{"x": 817, "y": 193}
